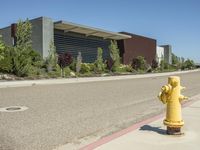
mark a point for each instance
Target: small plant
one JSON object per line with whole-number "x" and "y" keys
{"x": 64, "y": 60}
{"x": 124, "y": 68}
{"x": 52, "y": 58}
{"x": 109, "y": 64}
{"x": 154, "y": 64}
{"x": 79, "y": 62}
{"x": 99, "y": 65}
{"x": 85, "y": 68}
{"x": 114, "y": 54}
{"x": 139, "y": 63}
{"x": 2, "y": 48}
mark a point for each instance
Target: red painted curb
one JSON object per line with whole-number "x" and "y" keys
{"x": 127, "y": 130}
{"x": 120, "y": 133}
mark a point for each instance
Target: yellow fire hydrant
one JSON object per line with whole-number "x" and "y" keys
{"x": 171, "y": 95}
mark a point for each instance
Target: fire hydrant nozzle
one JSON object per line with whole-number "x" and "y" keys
{"x": 171, "y": 95}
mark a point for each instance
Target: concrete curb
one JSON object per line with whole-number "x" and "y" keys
{"x": 7, "y": 84}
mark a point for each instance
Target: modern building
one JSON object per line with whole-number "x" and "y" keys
{"x": 74, "y": 38}
{"x": 67, "y": 36}
{"x": 137, "y": 46}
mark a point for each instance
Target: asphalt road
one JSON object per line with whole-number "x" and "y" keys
{"x": 61, "y": 114}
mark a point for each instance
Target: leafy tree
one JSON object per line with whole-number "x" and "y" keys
{"x": 6, "y": 60}
{"x": 21, "y": 55}
{"x": 188, "y": 64}
{"x": 99, "y": 65}
{"x": 64, "y": 60}
{"x": 139, "y": 63}
{"x": 175, "y": 59}
{"x": 114, "y": 54}
{"x": 79, "y": 62}
{"x": 52, "y": 58}
{"x": 2, "y": 48}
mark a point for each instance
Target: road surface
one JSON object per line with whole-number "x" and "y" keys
{"x": 68, "y": 113}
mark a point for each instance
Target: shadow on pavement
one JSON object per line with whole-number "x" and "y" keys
{"x": 154, "y": 129}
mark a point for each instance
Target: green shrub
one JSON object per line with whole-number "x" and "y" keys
{"x": 36, "y": 58}
{"x": 78, "y": 62}
{"x": 164, "y": 65}
{"x": 154, "y": 64}
{"x": 21, "y": 54}
{"x": 91, "y": 66}
{"x": 124, "y": 68}
{"x": 64, "y": 60}
{"x": 72, "y": 66}
{"x": 6, "y": 60}
{"x": 114, "y": 54}
{"x": 2, "y": 48}
{"x": 139, "y": 63}
{"x": 188, "y": 64}
{"x": 85, "y": 68}
{"x": 52, "y": 58}
{"x": 67, "y": 71}
{"x": 99, "y": 64}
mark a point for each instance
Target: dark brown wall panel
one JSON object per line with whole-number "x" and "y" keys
{"x": 137, "y": 46}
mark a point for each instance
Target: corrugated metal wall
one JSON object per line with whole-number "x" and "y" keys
{"x": 73, "y": 43}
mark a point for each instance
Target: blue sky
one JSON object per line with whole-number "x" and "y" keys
{"x": 175, "y": 22}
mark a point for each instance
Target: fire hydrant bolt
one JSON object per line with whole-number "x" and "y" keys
{"x": 171, "y": 96}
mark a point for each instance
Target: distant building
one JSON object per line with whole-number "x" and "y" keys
{"x": 167, "y": 53}
{"x": 159, "y": 54}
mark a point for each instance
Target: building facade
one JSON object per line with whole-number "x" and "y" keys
{"x": 137, "y": 46}
{"x": 159, "y": 54}
{"x": 74, "y": 38}
{"x": 67, "y": 37}
{"x": 167, "y": 53}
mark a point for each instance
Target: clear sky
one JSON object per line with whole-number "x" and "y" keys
{"x": 175, "y": 22}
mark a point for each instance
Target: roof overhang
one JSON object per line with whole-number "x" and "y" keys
{"x": 89, "y": 31}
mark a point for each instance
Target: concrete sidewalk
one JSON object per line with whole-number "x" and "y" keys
{"x": 5, "y": 84}
{"x": 150, "y": 134}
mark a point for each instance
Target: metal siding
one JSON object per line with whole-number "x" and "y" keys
{"x": 86, "y": 45}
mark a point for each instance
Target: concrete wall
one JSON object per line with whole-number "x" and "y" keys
{"x": 42, "y": 35}
{"x": 167, "y": 53}
{"x": 6, "y": 35}
{"x": 48, "y": 35}
{"x": 37, "y": 40}
{"x": 159, "y": 53}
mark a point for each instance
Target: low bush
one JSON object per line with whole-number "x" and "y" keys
{"x": 64, "y": 60}
{"x": 139, "y": 63}
{"x": 154, "y": 64}
{"x": 6, "y": 60}
{"x": 85, "y": 68}
{"x": 124, "y": 68}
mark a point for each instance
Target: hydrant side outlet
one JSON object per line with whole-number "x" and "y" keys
{"x": 171, "y": 96}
